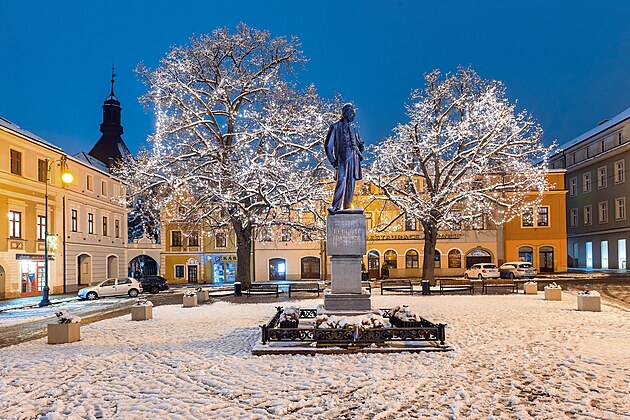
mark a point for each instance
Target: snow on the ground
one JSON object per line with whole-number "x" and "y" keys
{"x": 515, "y": 356}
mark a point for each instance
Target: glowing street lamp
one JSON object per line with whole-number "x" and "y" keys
{"x": 66, "y": 178}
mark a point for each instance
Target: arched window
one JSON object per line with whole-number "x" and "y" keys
{"x": 411, "y": 259}
{"x": 437, "y": 259}
{"x": 454, "y": 258}
{"x": 391, "y": 259}
{"x": 525, "y": 253}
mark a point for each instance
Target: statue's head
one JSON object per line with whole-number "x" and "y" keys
{"x": 347, "y": 112}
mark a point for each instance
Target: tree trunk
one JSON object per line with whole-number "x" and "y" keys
{"x": 243, "y": 254}
{"x": 428, "y": 261}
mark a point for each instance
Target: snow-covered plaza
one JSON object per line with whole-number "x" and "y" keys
{"x": 514, "y": 356}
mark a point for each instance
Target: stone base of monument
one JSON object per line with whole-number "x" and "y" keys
{"x": 346, "y": 303}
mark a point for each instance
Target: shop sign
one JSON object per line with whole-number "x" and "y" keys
{"x": 229, "y": 258}
{"x": 33, "y": 257}
{"x": 403, "y": 236}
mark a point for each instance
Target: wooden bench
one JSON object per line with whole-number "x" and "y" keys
{"x": 507, "y": 283}
{"x": 367, "y": 285}
{"x": 456, "y": 284}
{"x": 305, "y": 287}
{"x": 263, "y": 287}
{"x": 397, "y": 286}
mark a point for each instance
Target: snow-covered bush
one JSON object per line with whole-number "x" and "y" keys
{"x": 290, "y": 313}
{"x": 65, "y": 318}
{"x": 552, "y": 286}
{"x": 143, "y": 302}
{"x": 404, "y": 313}
{"x": 371, "y": 320}
{"x": 530, "y": 282}
{"x": 190, "y": 293}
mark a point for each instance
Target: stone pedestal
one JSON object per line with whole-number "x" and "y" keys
{"x": 553, "y": 294}
{"x": 345, "y": 244}
{"x": 141, "y": 313}
{"x": 202, "y": 296}
{"x": 64, "y": 333}
{"x": 530, "y": 288}
{"x": 589, "y": 303}
{"x": 190, "y": 301}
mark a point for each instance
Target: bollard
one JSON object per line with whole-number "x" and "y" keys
{"x": 238, "y": 288}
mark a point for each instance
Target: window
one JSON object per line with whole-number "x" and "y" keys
{"x": 220, "y": 240}
{"x": 105, "y": 230}
{"x": 437, "y": 259}
{"x": 477, "y": 223}
{"x": 89, "y": 183}
{"x": 602, "y": 146}
{"x": 15, "y": 224}
{"x": 411, "y": 259}
{"x": 573, "y": 187}
{"x": 586, "y": 153}
{"x": 124, "y": 280}
{"x": 525, "y": 253}
{"x": 587, "y": 215}
{"x": 619, "y": 172}
{"x": 193, "y": 239}
{"x": 179, "y": 271}
{"x": 41, "y": 228}
{"x": 391, "y": 259}
{"x": 572, "y": 159}
{"x": 619, "y": 138}
{"x": 454, "y": 259}
{"x": 104, "y": 188}
{"x": 42, "y": 169}
{"x": 543, "y": 216}
{"x": 456, "y": 220}
{"x": 285, "y": 235}
{"x": 90, "y": 223}
{"x": 574, "y": 217}
{"x": 306, "y": 237}
{"x": 586, "y": 182}
{"x": 117, "y": 228}
{"x": 527, "y": 217}
{"x": 603, "y": 212}
{"x": 620, "y": 208}
{"x": 176, "y": 238}
{"x": 604, "y": 254}
{"x": 411, "y": 223}
{"x": 75, "y": 220}
{"x": 601, "y": 177}
{"x": 265, "y": 235}
{"x": 369, "y": 222}
{"x": 16, "y": 162}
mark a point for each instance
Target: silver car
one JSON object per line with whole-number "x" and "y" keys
{"x": 111, "y": 287}
{"x": 518, "y": 270}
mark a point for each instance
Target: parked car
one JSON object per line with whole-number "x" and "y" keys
{"x": 111, "y": 287}
{"x": 517, "y": 270}
{"x": 153, "y": 284}
{"x": 482, "y": 271}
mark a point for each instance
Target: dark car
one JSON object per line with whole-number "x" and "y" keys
{"x": 153, "y": 284}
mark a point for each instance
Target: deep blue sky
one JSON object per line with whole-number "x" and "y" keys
{"x": 566, "y": 62}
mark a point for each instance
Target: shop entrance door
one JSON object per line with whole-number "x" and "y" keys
{"x": 545, "y": 255}
{"x": 277, "y": 269}
{"x": 374, "y": 265}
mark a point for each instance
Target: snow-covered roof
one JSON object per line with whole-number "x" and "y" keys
{"x": 92, "y": 161}
{"x": 595, "y": 131}
{"x": 17, "y": 129}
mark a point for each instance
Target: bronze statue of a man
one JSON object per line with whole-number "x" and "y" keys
{"x": 344, "y": 149}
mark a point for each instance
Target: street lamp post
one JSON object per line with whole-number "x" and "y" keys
{"x": 66, "y": 178}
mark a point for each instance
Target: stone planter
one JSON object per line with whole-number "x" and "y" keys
{"x": 530, "y": 288}
{"x": 202, "y": 296}
{"x": 589, "y": 303}
{"x": 553, "y": 294}
{"x": 64, "y": 333}
{"x": 190, "y": 301}
{"x": 141, "y": 313}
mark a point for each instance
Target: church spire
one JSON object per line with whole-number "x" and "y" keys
{"x": 113, "y": 75}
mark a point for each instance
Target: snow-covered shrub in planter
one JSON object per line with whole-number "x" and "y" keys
{"x": 404, "y": 317}
{"x": 553, "y": 292}
{"x": 530, "y": 288}
{"x": 290, "y": 317}
{"x": 589, "y": 300}
{"x": 363, "y": 322}
{"x": 66, "y": 330}
{"x": 202, "y": 295}
{"x": 142, "y": 310}
{"x": 190, "y": 299}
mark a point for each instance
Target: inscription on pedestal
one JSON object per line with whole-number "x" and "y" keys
{"x": 345, "y": 234}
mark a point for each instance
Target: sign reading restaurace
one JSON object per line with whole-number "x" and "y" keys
{"x": 33, "y": 257}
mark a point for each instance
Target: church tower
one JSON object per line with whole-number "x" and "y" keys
{"x": 110, "y": 147}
